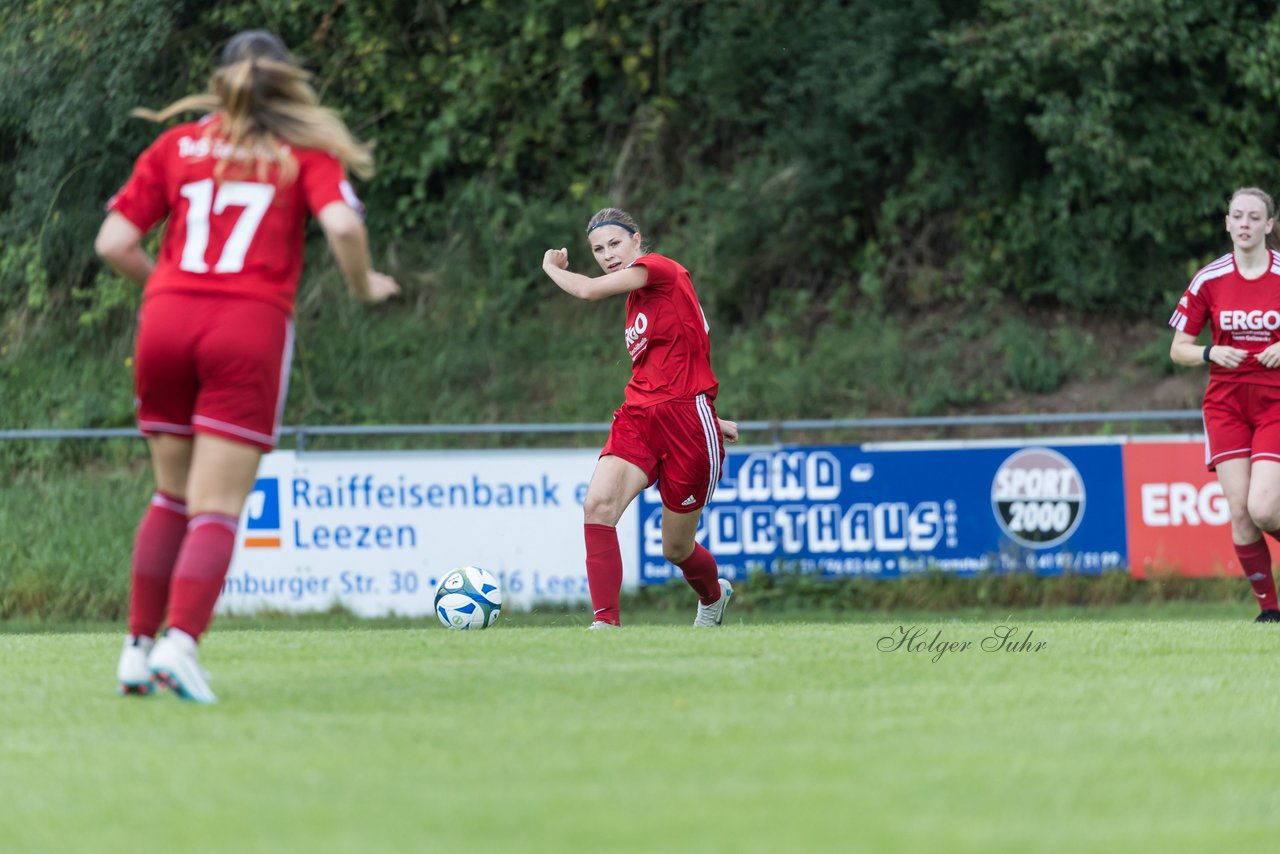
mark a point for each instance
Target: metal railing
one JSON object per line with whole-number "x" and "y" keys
{"x": 776, "y": 429}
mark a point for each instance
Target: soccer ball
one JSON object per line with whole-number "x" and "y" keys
{"x": 468, "y": 598}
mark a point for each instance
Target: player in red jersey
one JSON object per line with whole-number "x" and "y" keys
{"x": 215, "y": 333}
{"x": 666, "y": 429}
{"x": 1238, "y": 298}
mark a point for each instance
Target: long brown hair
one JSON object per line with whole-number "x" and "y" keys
{"x": 263, "y": 98}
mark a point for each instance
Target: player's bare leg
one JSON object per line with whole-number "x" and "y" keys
{"x": 680, "y": 546}
{"x": 1264, "y": 511}
{"x": 221, "y": 476}
{"x": 155, "y": 551}
{"x": 1250, "y": 487}
{"x": 614, "y": 485}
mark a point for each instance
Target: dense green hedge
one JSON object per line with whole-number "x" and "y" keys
{"x": 1074, "y": 151}
{"x": 858, "y": 187}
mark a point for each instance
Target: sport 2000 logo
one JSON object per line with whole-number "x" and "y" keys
{"x": 1037, "y": 497}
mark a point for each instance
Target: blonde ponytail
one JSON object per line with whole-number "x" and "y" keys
{"x": 263, "y": 102}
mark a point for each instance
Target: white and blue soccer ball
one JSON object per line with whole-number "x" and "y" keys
{"x": 468, "y": 598}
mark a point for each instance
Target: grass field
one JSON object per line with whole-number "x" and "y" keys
{"x": 1138, "y": 729}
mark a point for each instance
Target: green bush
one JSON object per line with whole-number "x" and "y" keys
{"x": 69, "y": 73}
{"x": 1097, "y": 208}
{"x": 861, "y": 190}
{"x": 924, "y": 150}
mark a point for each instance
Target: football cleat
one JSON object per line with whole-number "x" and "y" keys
{"x": 132, "y": 672}
{"x": 713, "y": 614}
{"x": 173, "y": 664}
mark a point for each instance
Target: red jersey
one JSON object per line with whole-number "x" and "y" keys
{"x": 666, "y": 337}
{"x": 1242, "y": 313}
{"x": 235, "y": 236}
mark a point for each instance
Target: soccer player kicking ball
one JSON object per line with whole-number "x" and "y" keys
{"x": 1238, "y": 298}
{"x": 666, "y": 429}
{"x": 215, "y": 334}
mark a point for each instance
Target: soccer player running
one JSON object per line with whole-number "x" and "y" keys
{"x": 215, "y": 334}
{"x": 1238, "y": 298}
{"x": 666, "y": 429}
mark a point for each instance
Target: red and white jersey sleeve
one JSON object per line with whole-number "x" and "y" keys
{"x": 1239, "y": 312}
{"x": 142, "y": 200}
{"x": 667, "y": 337}
{"x": 237, "y": 235}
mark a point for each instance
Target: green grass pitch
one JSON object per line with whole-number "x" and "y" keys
{"x": 1117, "y": 734}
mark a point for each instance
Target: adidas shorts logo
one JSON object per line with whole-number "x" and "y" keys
{"x": 688, "y": 501}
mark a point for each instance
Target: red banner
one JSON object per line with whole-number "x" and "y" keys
{"x": 1175, "y": 511}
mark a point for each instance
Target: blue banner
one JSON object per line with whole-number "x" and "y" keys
{"x": 886, "y": 511}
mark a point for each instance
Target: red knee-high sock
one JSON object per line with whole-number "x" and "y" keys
{"x": 201, "y": 569}
{"x": 1255, "y": 562}
{"x": 604, "y": 571}
{"x": 700, "y": 571}
{"x": 155, "y": 550}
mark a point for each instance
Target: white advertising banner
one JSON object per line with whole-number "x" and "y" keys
{"x": 373, "y": 532}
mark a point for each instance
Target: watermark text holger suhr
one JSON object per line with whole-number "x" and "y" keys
{"x": 931, "y": 642}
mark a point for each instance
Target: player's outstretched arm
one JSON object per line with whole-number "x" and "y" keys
{"x": 349, "y": 243}
{"x": 555, "y": 263}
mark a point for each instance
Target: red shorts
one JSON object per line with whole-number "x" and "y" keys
{"x": 676, "y": 443}
{"x": 1241, "y": 420}
{"x": 212, "y": 365}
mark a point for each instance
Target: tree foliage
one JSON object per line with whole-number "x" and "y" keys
{"x": 69, "y": 73}
{"x": 871, "y": 156}
{"x": 1139, "y": 118}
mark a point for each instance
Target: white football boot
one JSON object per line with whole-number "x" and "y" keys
{"x": 174, "y": 665}
{"x": 132, "y": 672}
{"x": 713, "y": 614}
